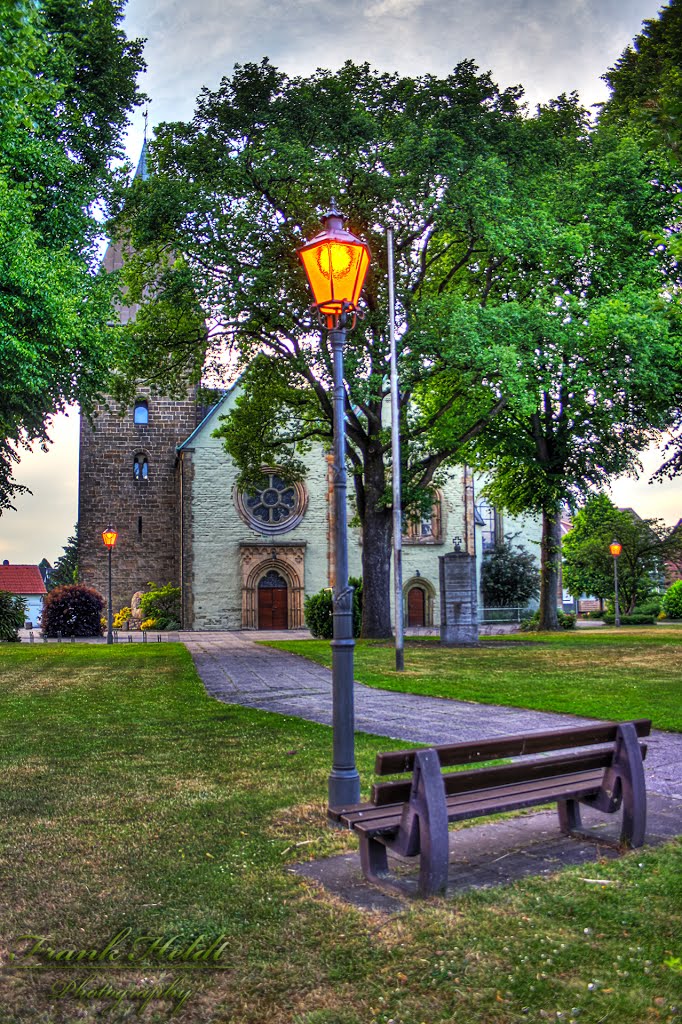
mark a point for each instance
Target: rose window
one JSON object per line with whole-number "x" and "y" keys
{"x": 275, "y": 507}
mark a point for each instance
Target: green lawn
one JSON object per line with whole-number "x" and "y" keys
{"x": 612, "y": 674}
{"x": 130, "y": 799}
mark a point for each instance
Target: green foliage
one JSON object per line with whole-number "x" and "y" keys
{"x": 12, "y": 613}
{"x": 671, "y": 602}
{"x": 162, "y": 605}
{"x": 588, "y": 563}
{"x": 318, "y": 609}
{"x": 630, "y": 620}
{"x": 65, "y": 569}
{"x": 509, "y": 576}
{"x": 68, "y": 83}
{"x": 566, "y": 620}
{"x": 72, "y": 610}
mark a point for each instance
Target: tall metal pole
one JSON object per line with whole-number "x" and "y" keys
{"x": 395, "y": 459}
{"x": 615, "y": 580}
{"x": 344, "y": 778}
{"x": 110, "y": 635}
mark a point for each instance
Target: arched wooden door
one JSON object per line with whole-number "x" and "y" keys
{"x": 272, "y": 602}
{"x": 416, "y": 607}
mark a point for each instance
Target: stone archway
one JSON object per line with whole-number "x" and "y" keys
{"x": 288, "y": 562}
{"x": 425, "y": 593}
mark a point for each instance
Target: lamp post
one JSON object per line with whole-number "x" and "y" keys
{"x": 615, "y": 548}
{"x": 109, "y": 537}
{"x": 336, "y": 262}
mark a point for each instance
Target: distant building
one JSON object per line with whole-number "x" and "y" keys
{"x": 25, "y": 581}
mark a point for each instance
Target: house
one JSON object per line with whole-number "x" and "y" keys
{"x": 25, "y": 581}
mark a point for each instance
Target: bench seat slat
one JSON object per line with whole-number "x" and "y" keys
{"x": 399, "y": 761}
{"x": 476, "y": 803}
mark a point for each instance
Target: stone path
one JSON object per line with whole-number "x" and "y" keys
{"x": 237, "y": 670}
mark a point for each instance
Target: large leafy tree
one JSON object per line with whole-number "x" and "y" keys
{"x": 66, "y": 88}
{"x": 646, "y": 547}
{"x": 232, "y": 195}
{"x": 646, "y": 101}
{"x": 584, "y": 306}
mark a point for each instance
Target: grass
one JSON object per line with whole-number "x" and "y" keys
{"x": 130, "y": 799}
{"x": 611, "y": 674}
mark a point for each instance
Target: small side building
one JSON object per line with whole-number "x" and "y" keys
{"x": 25, "y": 581}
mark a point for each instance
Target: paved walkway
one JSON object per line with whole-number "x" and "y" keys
{"x": 237, "y": 670}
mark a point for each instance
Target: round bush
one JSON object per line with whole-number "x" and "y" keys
{"x": 319, "y": 611}
{"x": 73, "y": 610}
{"x": 672, "y": 601}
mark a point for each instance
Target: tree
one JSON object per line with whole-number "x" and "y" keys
{"x": 585, "y": 309}
{"x": 232, "y": 195}
{"x": 73, "y": 610}
{"x": 67, "y": 86}
{"x": 646, "y": 100}
{"x": 510, "y": 576}
{"x": 588, "y": 563}
{"x": 646, "y": 82}
{"x": 65, "y": 569}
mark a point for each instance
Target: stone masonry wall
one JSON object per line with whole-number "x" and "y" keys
{"x": 144, "y": 512}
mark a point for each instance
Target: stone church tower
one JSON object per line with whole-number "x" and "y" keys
{"x": 128, "y": 478}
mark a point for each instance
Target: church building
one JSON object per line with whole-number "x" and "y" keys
{"x": 157, "y": 475}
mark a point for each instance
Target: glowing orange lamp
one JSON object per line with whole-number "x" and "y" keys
{"x": 109, "y": 537}
{"x": 336, "y": 263}
{"x": 615, "y": 548}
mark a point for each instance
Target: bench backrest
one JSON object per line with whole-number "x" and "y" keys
{"x": 400, "y": 761}
{"x": 600, "y": 738}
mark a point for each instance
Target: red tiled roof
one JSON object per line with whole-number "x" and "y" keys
{"x": 21, "y": 579}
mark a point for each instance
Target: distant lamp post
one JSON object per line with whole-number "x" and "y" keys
{"x": 615, "y": 548}
{"x": 336, "y": 262}
{"x": 109, "y": 537}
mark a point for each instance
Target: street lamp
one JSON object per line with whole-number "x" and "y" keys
{"x": 336, "y": 262}
{"x": 109, "y": 537}
{"x": 615, "y": 548}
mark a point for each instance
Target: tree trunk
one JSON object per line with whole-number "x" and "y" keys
{"x": 377, "y": 534}
{"x": 550, "y": 566}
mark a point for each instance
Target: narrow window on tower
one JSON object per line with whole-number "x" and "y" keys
{"x": 140, "y": 467}
{"x": 139, "y": 526}
{"x": 141, "y": 412}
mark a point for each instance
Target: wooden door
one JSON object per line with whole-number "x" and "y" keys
{"x": 416, "y": 607}
{"x": 272, "y": 602}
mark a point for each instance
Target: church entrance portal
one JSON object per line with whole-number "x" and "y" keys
{"x": 416, "y": 607}
{"x": 272, "y": 602}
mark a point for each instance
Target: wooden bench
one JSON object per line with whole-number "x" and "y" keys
{"x": 598, "y": 765}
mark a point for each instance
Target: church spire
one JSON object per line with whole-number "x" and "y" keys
{"x": 142, "y": 171}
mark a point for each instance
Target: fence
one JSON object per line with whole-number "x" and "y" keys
{"x": 488, "y": 615}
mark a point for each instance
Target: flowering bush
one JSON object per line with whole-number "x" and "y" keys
{"x": 121, "y": 617}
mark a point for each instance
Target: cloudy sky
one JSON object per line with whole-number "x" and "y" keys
{"x": 548, "y": 46}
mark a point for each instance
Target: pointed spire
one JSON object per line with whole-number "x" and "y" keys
{"x": 142, "y": 171}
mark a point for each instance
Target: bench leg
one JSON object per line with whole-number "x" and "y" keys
{"x": 374, "y": 860}
{"x": 569, "y": 818}
{"x": 433, "y": 861}
{"x": 628, "y": 764}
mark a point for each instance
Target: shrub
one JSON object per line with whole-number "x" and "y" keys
{"x": 510, "y": 576}
{"x": 672, "y": 601}
{"x": 73, "y": 610}
{"x": 318, "y": 611}
{"x": 150, "y": 624}
{"x": 162, "y": 604}
{"x": 532, "y": 624}
{"x": 651, "y": 607}
{"x": 631, "y": 620}
{"x": 12, "y": 612}
{"x": 121, "y": 617}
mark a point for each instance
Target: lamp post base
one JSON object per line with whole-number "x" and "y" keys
{"x": 343, "y": 787}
